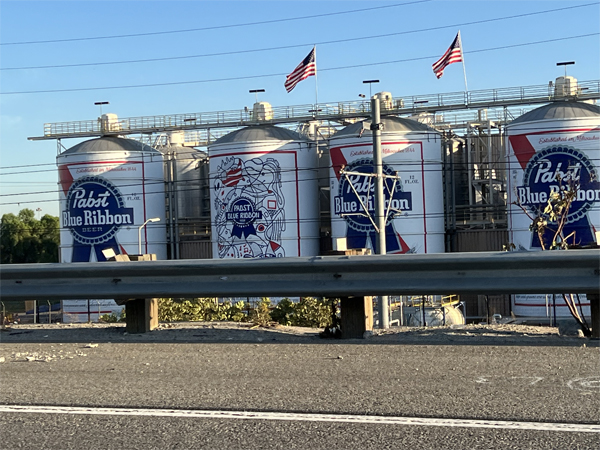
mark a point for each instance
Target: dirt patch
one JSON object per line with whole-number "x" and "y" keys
{"x": 229, "y": 332}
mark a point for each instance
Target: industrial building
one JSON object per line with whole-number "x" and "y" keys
{"x": 464, "y": 172}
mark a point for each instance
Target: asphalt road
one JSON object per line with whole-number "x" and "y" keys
{"x": 494, "y": 381}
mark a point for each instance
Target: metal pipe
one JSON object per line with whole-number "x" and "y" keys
{"x": 470, "y": 170}
{"x": 464, "y": 308}
{"x": 154, "y": 219}
{"x": 176, "y": 205}
{"x": 445, "y": 176}
{"x": 376, "y": 126}
{"x": 489, "y": 152}
{"x": 170, "y": 202}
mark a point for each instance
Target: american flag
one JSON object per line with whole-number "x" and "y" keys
{"x": 452, "y": 55}
{"x": 307, "y": 68}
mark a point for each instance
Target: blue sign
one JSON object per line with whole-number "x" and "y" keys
{"x": 356, "y": 196}
{"x": 555, "y": 169}
{"x": 94, "y": 213}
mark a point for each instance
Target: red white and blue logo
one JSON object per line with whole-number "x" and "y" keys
{"x": 94, "y": 212}
{"x": 355, "y": 202}
{"x": 559, "y": 168}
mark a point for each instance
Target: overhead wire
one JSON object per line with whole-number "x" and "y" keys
{"x": 176, "y": 83}
{"x": 424, "y": 167}
{"x": 287, "y": 47}
{"x": 215, "y": 27}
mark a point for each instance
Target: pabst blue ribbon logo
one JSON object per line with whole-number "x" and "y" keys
{"x": 357, "y": 192}
{"x": 94, "y": 213}
{"x": 243, "y": 213}
{"x": 556, "y": 168}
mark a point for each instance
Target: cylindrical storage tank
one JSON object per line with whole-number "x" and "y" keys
{"x": 185, "y": 168}
{"x": 188, "y": 206}
{"x": 264, "y": 194}
{"x": 414, "y": 202}
{"x": 108, "y": 188}
{"x": 556, "y": 146}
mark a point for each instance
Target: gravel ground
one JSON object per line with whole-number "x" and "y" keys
{"x": 196, "y": 332}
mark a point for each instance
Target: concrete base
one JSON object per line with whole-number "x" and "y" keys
{"x": 356, "y": 316}
{"x": 141, "y": 315}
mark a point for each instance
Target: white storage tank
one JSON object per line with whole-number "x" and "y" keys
{"x": 558, "y": 141}
{"x": 186, "y": 168}
{"x": 108, "y": 188}
{"x": 264, "y": 194}
{"x": 415, "y": 202}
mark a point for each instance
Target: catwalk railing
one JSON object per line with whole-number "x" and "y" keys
{"x": 571, "y": 271}
{"x": 339, "y": 112}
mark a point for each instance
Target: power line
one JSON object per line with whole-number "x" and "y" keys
{"x": 216, "y": 27}
{"x": 204, "y": 183}
{"x": 287, "y": 47}
{"x": 247, "y": 77}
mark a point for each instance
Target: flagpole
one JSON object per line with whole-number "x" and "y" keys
{"x": 462, "y": 56}
{"x": 316, "y": 84}
{"x": 316, "y": 104}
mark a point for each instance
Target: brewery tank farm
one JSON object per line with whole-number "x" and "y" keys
{"x": 453, "y": 166}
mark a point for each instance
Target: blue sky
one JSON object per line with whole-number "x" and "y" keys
{"x": 368, "y": 38}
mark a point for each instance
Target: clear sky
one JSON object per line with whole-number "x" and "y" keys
{"x": 258, "y": 43}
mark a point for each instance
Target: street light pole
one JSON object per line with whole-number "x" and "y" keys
{"x": 255, "y": 92}
{"x": 370, "y": 83}
{"x": 154, "y": 219}
{"x": 565, "y": 63}
{"x": 100, "y": 105}
{"x": 376, "y": 126}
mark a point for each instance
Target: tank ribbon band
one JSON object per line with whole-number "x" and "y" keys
{"x": 244, "y": 231}
{"x": 82, "y": 252}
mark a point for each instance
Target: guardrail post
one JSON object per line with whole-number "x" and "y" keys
{"x": 594, "y": 299}
{"x": 141, "y": 314}
{"x": 356, "y": 316}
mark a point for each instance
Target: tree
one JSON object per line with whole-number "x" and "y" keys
{"x": 549, "y": 226}
{"x": 24, "y": 239}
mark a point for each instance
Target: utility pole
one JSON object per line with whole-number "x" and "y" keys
{"x": 376, "y": 126}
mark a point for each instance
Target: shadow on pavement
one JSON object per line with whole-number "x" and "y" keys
{"x": 204, "y": 333}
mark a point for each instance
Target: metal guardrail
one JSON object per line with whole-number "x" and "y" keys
{"x": 410, "y": 105}
{"x": 572, "y": 271}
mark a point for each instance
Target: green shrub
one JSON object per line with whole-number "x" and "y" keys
{"x": 312, "y": 312}
{"x": 283, "y": 312}
{"x": 199, "y": 310}
{"x": 261, "y": 315}
{"x": 112, "y": 317}
{"x": 308, "y": 312}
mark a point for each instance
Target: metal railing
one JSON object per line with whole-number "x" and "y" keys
{"x": 570, "y": 271}
{"x": 408, "y": 105}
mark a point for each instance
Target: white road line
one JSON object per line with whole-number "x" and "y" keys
{"x": 249, "y": 415}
